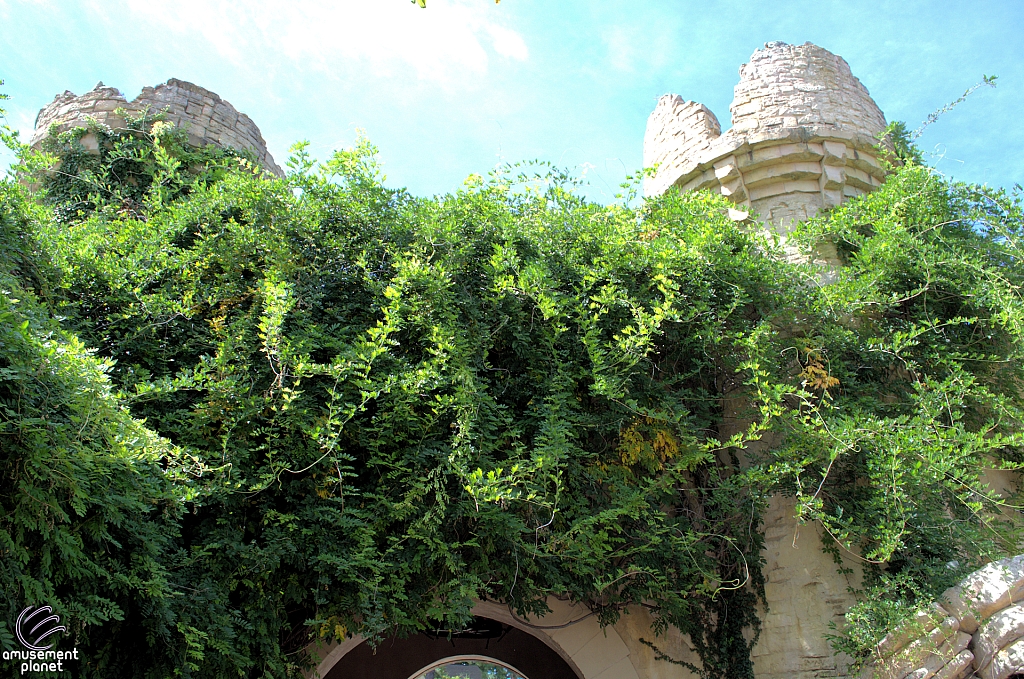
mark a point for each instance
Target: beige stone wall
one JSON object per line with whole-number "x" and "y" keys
{"x": 636, "y": 625}
{"x": 801, "y": 86}
{"x": 206, "y": 117}
{"x": 678, "y": 130}
{"x": 805, "y": 593}
{"x": 804, "y": 589}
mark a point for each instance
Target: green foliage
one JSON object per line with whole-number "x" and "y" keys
{"x": 321, "y": 406}
{"x": 986, "y": 81}
{"x": 923, "y": 333}
{"x": 887, "y": 603}
{"x": 87, "y": 515}
{"x": 899, "y": 139}
{"x": 126, "y": 172}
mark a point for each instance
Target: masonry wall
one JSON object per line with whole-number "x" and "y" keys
{"x": 678, "y": 130}
{"x": 206, "y": 117}
{"x": 801, "y": 86}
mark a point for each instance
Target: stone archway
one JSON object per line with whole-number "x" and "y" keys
{"x": 568, "y": 643}
{"x": 405, "y": 658}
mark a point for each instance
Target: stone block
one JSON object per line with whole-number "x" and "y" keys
{"x": 781, "y": 172}
{"x": 90, "y": 143}
{"x": 859, "y": 178}
{"x": 956, "y": 668}
{"x": 109, "y": 104}
{"x": 835, "y": 152}
{"x": 1000, "y": 630}
{"x": 115, "y": 122}
{"x": 1007, "y": 661}
{"x": 986, "y": 591}
{"x": 774, "y": 153}
{"x": 72, "y": 108}
{"x": 734, "y": 191}
{"x": 940, "y": 642}
{"x": 224, "y": 117}
{"x": 745, "y": 125}
{"x": 932, "y": 664}
{"x": 704, "y": 180}
{"x": 726, "y": 168}
{"x": 831, "y": 198}
{"x": 750, "y": 108}
{"x": 833, "y": 177}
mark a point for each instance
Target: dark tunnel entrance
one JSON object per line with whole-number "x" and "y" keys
{"x": 484, "y": 639}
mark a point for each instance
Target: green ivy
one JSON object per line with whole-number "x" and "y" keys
{"x": 328, "y": 407}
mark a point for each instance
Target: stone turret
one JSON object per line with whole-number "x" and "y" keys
{"x": 206, "y": 117}
{"x": 802, "y": 138}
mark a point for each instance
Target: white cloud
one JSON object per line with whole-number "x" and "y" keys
{"x": 507, "y": 42}
{"x": 445, "y": 42}
{"x": 640, "y": 47}
{"x": 622, "y": 50}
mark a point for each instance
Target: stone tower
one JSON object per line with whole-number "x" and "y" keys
{"x": 206, "y": 117}
{"x": 802, "y": 138}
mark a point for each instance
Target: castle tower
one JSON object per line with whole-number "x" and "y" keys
{"x": 206, "y": 117}
{"x": 802, "y": 138}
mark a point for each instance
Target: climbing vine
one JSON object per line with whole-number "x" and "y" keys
{"x": 359, "y": 411}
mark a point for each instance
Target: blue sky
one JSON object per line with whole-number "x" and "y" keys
{"x": 457, "y": 87}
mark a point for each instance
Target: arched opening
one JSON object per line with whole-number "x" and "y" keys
{"x": 485, "y": 640}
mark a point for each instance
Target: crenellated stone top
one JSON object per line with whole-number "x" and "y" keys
{"x": 802, "y": 137}
{"x": 206, "y": 117}
{"x": 801, "y": 86}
